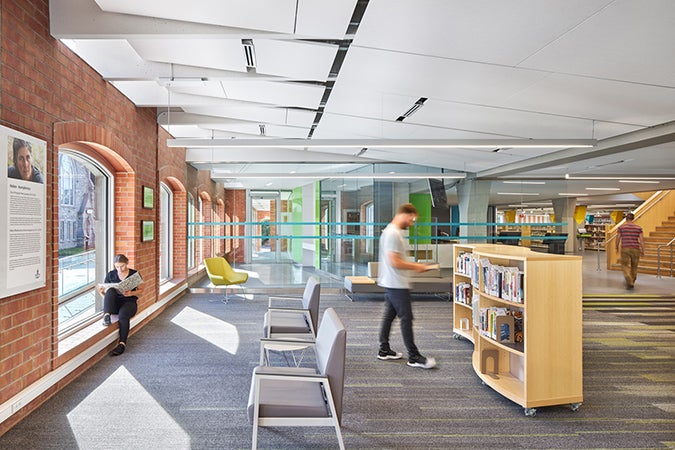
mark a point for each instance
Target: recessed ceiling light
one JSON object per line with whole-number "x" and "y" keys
{"x": 523, "y": 182}
{"x": 639, "y": 181}
{"x": 572, "y": 194}
{"x": 518, "y": 193}
{"x": 602, "y": 189}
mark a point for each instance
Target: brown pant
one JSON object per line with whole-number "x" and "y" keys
{"x": 629, "y": 264}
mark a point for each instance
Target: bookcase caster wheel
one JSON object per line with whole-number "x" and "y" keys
{"x": 530, "y": 412}
{"x": 575, "y": 406}
{"x": 457, "y": 336}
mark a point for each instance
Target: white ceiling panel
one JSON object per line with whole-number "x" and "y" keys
{"x": 627, "y": 40}
{"x": 275, "y": 93}
{"x": 292, "y": 59}
{"x": 368, "y": 103}
{"x": 343, "y": 126}
{"x": 114, "y": 58}
{"x": 263, "y": 115}
{"x": 327, "y": 18}
{"x": 491, "y": 31}
{"x": 423, "y": 76}
{"x": 223, "y": 54}
{"x": 260, "y": 114}
{"x": 253, "y": 130}
{"x": 277, "y": 16}
{"x": 143, "y": 93}
{"x": 605, "y": 100}
{"x": 501, "y": 122}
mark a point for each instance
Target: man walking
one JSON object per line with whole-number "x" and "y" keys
{"x": 630, "y": 240}
{"x": 392, "y": 277}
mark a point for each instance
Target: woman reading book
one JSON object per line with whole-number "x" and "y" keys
{"x": 121, "y": 303}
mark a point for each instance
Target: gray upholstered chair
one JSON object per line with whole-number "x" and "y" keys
{"x": 302, "y": 396}
{"x": 295, "y": 320}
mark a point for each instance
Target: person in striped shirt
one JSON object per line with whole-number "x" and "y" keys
{"x": 631, "y": 242}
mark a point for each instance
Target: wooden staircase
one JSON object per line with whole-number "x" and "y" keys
{"x": 661, "y": 236}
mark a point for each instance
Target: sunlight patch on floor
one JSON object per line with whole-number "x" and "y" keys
{"x": 122, "y": 405}
{"x": 222, "y": 334}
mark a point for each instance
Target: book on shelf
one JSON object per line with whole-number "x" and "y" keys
{"x": 129, "y": 283}
{"x": 463, "y": 293}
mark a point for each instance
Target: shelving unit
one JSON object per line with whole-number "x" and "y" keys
{"x": 598, "y": 233}
{"x": 545, "y": 368}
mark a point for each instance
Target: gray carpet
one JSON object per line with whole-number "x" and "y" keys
{"x": 184, "y": 383}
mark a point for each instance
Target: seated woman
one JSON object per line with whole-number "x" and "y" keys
{"x": 121, "y": 303}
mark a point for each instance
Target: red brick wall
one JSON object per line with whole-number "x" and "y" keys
{"x": 235, "y": 211}
{"x": 201, "y": 186}
{"x": 49, "y": 93}
{"x": 171, "y": 168}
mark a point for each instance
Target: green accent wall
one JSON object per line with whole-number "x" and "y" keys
{"x": 423, "y": 204}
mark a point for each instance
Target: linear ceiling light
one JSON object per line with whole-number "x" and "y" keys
{"x": 523, "y": 182}
{"x": 621, "y": 178}
{"x": 322, "y": 176}
{"x": 639, "y": 181}
{"x": 413, "y": 109}
{"x": 381, "y": 143}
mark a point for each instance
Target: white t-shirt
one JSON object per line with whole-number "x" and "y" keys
{"x": 391, "y": 240}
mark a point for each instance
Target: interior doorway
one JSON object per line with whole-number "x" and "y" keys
{"x": 267, "y": 243}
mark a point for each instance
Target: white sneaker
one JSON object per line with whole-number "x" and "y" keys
{"x": 421, "y": 361}
{"x": 390, "y": 354}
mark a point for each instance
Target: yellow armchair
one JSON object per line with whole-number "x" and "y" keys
{"x": 221, "y": 274}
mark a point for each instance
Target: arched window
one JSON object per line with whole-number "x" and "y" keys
{"x": 85, "y": 235}
{"x": 165, "y": 233}
{"x": 191, "y": 230}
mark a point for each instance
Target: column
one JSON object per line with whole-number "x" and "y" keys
{"x": 563, "y": 208}
{"x": 473, "y": 197}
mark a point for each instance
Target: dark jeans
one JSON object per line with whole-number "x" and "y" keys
{"x": 397, "y": 302}
{"x": 124, "y": 307}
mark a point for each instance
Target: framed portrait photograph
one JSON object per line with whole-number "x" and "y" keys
{"x": 147, "y": 230}
{"x": 148, "y": 197}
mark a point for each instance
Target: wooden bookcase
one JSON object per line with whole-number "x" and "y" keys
{"x": 598, "y": 234}
{"x": 545, "y": 368}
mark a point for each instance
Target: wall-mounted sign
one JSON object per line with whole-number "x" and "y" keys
{"x": 22, "y": 227}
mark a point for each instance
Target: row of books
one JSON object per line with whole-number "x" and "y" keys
{"x": 497, "y": 323}
{"x": 468, "y": 264}
{"x": 503, "y": 282}
{"x": 498, "y": 281}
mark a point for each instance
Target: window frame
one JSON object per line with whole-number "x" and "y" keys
{"x": 104, "y": 191}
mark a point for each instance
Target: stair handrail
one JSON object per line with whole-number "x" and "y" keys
{"x": 658, "y": 258}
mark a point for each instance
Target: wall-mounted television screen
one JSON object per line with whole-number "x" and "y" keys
{"x": 439, "y": 198}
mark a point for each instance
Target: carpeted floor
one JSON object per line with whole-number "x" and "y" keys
{"x": 185, "y": 379}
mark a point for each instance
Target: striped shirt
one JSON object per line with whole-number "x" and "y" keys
{"x": 630, "y": 234}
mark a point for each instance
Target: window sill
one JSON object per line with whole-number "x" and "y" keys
{"x": 87, "y": 336}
